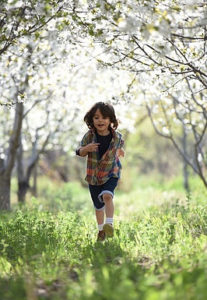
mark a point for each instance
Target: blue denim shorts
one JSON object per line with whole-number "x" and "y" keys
{"x": 97, "y": 192}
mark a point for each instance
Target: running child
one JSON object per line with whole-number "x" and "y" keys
{"x": 103, "y": 145}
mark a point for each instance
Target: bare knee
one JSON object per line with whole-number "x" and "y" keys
{"x": 107, "y": 198}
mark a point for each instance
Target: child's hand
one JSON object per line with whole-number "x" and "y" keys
{"x": 92, "y": 147}
{"x": 120, "y": 152}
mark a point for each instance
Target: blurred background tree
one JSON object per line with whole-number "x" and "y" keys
{"x": 58, "y": 58}
{"x": 163, "y": 44}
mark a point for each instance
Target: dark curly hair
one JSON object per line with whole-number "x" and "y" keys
{"x": 106, "y": 110}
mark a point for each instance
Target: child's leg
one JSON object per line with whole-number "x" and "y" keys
{"x": 99, "y": 206}
{"x": 109, "y": 210}
{"x": 109, "y": 205}
{"x": 100, "y": 217}
{"x": 107, "y": 197}
{"x": 100, "y": 220}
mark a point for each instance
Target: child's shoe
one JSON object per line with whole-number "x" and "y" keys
{"x": 109, "y": 230}
{"x": 101, "y": 236}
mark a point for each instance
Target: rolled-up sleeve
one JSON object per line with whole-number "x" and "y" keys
{"x": 85, "y": 140}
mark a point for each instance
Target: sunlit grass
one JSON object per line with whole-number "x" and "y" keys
{"x": 159, "y": 251}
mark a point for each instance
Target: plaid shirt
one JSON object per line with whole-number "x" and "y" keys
{"x": 99, "y": 171}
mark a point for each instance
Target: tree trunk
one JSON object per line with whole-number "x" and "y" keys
{"x": 24, "y": 175}
{"x": 23, "y": 184}
{"x": 5, "y": 184}
{"x": 23, "y": 187}
{"x": 185, "y": 165}
{"x": 6, "y": 165}
{"x": 186, "y": 177}
{"x": 34, "y": 187}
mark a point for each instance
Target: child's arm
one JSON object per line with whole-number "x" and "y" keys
{"x": 120, "y": 150}
{"x": 83, "y": 151}
{"x": 86, "y": 145}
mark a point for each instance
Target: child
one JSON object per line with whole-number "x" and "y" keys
{"x": 103, "y": 146}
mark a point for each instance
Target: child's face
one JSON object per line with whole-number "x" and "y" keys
{"x": 101, "y": 123}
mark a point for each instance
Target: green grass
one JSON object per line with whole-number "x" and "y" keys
{"x": 49, "y": 249}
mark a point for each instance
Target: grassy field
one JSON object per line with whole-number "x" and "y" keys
{"x": 159, "y": 251}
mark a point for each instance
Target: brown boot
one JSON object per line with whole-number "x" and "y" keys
{"x": 101, "y": 236}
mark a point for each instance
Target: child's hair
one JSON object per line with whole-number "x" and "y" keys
{"x": 106, "y": 110}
